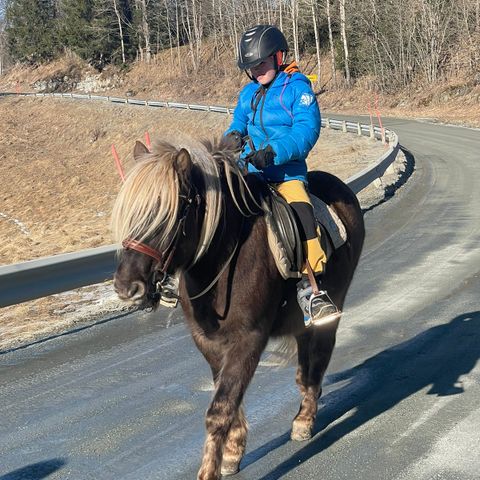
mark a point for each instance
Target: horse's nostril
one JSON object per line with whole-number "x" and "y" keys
{"x": 137, "y": 290}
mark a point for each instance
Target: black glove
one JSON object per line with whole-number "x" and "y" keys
{"x": 261, "y": 159}
{"x": 235, "y": 140}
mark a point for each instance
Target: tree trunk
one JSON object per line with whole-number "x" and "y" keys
{"x": 343, "y": 32}
{"x": 281, "y": 16}
{"x": 188, "y": 29}
{"x": 177, "y": 21}
{"x": 146, "y": 31}
{"x": 330, "y": 41}
{"x": 294, "y": 8}
{"x": 170, "y": 40}
{"x": 120, "y": 29}
{"x": 317, "y": 39}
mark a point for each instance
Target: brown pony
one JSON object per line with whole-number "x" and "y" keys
{"x": 191, "y": 212}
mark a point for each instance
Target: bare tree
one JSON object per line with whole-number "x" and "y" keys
{"x": 145, "y": 30}
{"x": 294, "y": 16}
{"x": 330, "y": 42}
{"x": 120, "y": 28}
{"x": 343, "y": 32}
{"x": 433, "y": 28}
{"x": 2, "y": 36}
{"x": 317, "y": 36}
{"x": 169, "y": 28}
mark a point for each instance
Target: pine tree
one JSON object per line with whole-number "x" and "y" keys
{"x": 31, "y": 29}
{"x": 74, "y": 26}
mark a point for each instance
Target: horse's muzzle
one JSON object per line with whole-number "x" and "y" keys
{"x": 134, "y": 292}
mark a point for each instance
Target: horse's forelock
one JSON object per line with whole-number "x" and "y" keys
{"x": 148, "y": 201}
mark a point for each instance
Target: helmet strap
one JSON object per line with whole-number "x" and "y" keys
{"x": 250, "y": 76}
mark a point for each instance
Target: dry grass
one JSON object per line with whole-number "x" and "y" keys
{"x": 58, "y": 182}
{"x": 58, "y": 179}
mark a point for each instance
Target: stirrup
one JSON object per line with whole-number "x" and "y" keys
{"x": 328, "y": 311}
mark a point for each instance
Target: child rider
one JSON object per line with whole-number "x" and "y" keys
{"x": 279, "y": 113}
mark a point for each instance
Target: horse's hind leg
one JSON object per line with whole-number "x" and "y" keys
{"x": 315, "y": 348}
{"x": 234, "y": 448}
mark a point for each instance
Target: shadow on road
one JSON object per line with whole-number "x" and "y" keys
{"x": 36, "y": 471}
{"x": 434, "y": 359}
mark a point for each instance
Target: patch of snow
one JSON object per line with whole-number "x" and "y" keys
{"x": 17, "y": 222}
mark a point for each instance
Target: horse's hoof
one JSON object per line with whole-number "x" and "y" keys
{"x": 230, "y": 468}
{"x": 301, "y": 433}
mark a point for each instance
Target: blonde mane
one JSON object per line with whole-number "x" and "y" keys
{"x": 148, "y": 201}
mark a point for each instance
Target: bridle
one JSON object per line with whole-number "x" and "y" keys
{"x": 164, "y": 257}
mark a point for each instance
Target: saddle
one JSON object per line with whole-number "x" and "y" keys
{"x": 284, "y": 238}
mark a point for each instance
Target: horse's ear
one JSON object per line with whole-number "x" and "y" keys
{"x": 139, "y": 150}
{"x": 183, "y": 162}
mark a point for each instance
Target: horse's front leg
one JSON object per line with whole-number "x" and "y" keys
{"x": 314, "y": 352}
{"x": 234, "y": 448}
{"x": 239, "y": 364}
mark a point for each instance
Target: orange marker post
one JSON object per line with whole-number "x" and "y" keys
{"x": 379, "y": 118}
{"x": 147, "y": 141}
{"x": 118, "y": 163}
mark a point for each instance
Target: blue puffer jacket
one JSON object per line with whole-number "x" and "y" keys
{"x": 285, "y": 116}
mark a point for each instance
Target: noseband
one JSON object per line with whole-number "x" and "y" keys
{"x": 162, "y": 265}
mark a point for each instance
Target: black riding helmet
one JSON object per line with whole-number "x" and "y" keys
{"x": 258, "y": 43}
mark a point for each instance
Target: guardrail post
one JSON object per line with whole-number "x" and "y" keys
{"x": 372, "y": 132}
{"x": 327, "y": 123}
{"x": 359, "y": 129}
{"x": 344, "y": 126}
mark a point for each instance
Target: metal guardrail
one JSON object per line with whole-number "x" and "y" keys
{"x": 25, "y": 281}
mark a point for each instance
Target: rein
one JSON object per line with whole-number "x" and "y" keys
{"x": 222, "y": 270}
{"x": 215, "y": 280}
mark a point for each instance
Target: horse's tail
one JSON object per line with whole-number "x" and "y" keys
{"x": 280, "y": 352}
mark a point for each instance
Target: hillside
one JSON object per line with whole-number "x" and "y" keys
{"x": 454, "y": 100}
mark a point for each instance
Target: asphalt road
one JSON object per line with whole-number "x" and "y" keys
{"x": 126, "y": 398}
